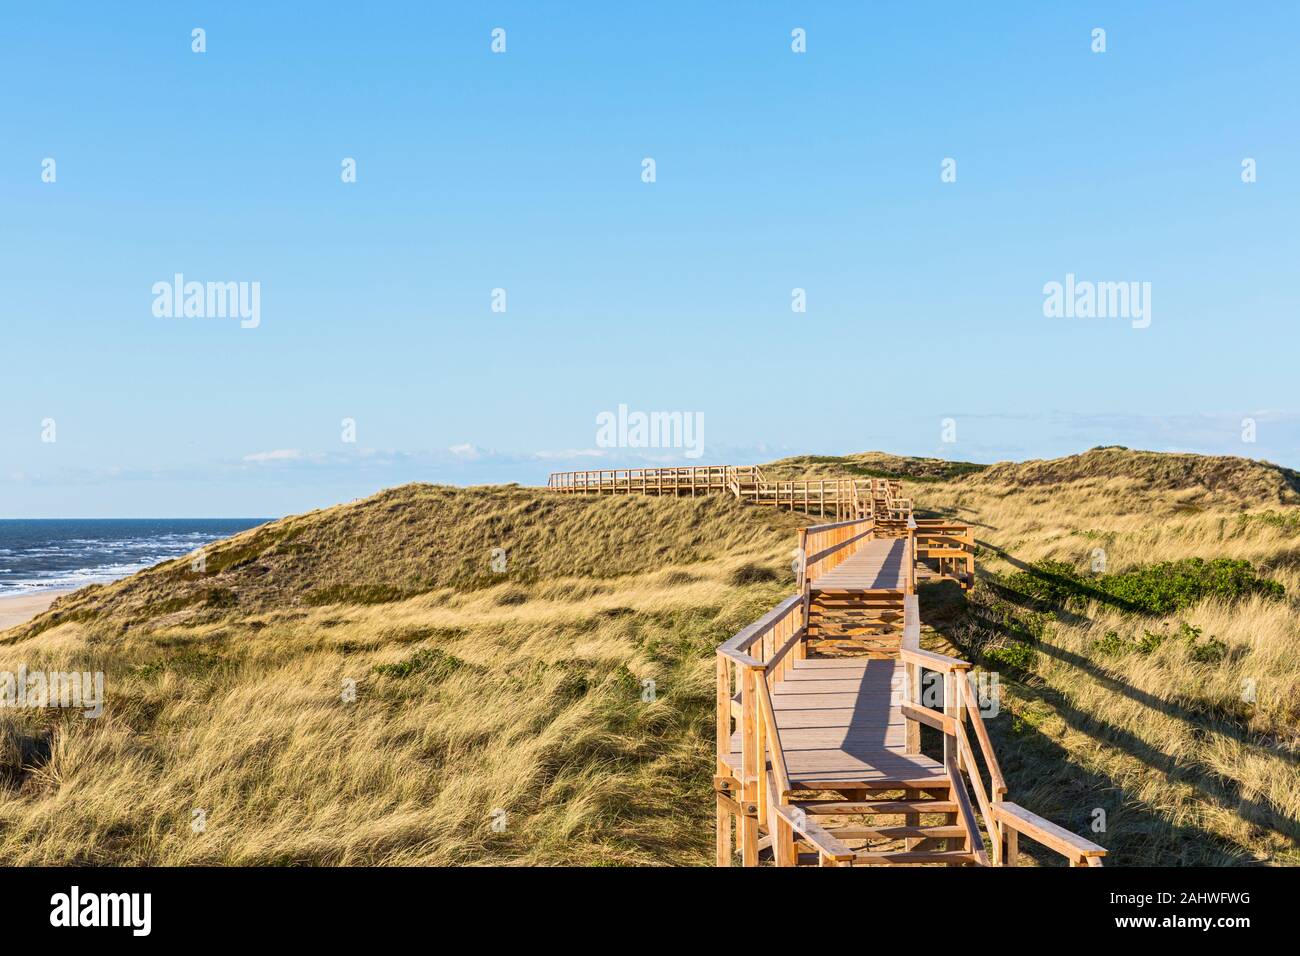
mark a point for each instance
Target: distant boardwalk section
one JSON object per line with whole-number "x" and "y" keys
{"x": 839, "y": 498}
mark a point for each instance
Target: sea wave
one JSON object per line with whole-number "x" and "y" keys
{"x": 48, "y": 555}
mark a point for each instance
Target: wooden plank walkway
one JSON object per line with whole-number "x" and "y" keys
{"x": 877, "y": 565}
{"x": 820, "y": 704}
{"x": 840, "y": 724}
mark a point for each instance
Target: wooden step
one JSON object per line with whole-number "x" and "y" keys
{"x": 893, "y": 833}
{"x": 867, "y": 628}
{"x": 895, "y": 858}
{"x": 840, "y": 623}
{"x": 853, "y": 605}
{"x": 847, "y": 807}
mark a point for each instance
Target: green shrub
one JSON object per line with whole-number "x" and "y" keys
{"x": 1175, "y": 585}
{"x": 1050, "y": 582}
{"x": 1149, "y": 589}
{"x": 436, "y": 663}
{"x": 1112, "y": 644}
{"x": 1211, "y": 651}
{"x": 1015, "y": 656}
{"x": 1286, "y": 521}
{"x": 1149, "y": 642}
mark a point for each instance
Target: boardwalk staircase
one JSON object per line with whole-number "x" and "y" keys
{"x": 820, "y": 705}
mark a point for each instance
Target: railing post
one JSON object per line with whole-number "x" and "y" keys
{"x": 911, "y": 555}
{"x": 911, "y": 675}
{"x": 722, "y": 823}
{"x": 801, "y": 648}
{"x": 724, "y": 711}
{"x": 951, "y": 708}
{"x": 760, "y": 748}
{"x": 952, "y": 756}
{"x": 970, "y": 555}
{"x": 722, "y": 833}
{"x": 749, "y": 766}
{"x": 912, "y": 694}
{"x": 803, "y": 557}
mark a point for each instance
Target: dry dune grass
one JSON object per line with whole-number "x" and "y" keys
{"x": 524, "y": 692}
{"x": 1218, "y": 479}
{"x": 410, "y": 540}
{"x": 523, "y": 696}
{"x": 1188, "y": 768}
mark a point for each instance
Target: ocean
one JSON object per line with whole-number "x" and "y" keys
{"x": 38, "y": 555}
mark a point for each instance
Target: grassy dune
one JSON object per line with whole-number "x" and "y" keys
{"x": 476, "y": 691}
{"x": 1183, "y": 726}
{"x": 524, "y": 691}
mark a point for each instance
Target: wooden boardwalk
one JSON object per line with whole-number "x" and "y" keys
{"x": 820, "y": 705}
{"x": 838, "y": 498}
{"x": 840, "y": 726}
{"x": 876, "y": 566}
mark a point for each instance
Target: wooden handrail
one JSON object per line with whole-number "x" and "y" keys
{"x": 959, "y": 755}
{"x": 825, "y": 542}
{"x": 964, "y": 808}
{"x": 911, "y": 622}
{"x": 931, "y": 661}
{"x": 1016, "y": 819}
{"x": 739, "y": 657}
{"x": 931, "y": 718}
{"x": 745, "y": 639}
{"x": 966, "y": 760}
{"x": 827, "y": 847}
{"x": 825, "y": 553}
{"x": 773, "y": 741}
{"x": 999, "y": 783}
{"x": 814, "y": 528}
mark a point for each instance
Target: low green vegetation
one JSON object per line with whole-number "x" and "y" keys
{"x": 431, "y": 661}
{"x": 1287, "y": 521}
{"x": 1210, "y": 651}
{"x": 1161, "y": 588}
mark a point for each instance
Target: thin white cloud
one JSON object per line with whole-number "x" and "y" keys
{"x": 561, "y": 453}
{"x": 466, "y": 451}
{"x": 280, "y": 454}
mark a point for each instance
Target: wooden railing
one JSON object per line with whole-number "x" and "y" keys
{"x": 1002, "y": 820}
{"x": 695, "y": 479}
{"x": 830, "y": 851}
{"x": 821, "y": 496}
{"x": 841, "y": 498}
{"x": 748, "y": 666}
{"x": 752, "y": 779}
{"x": 835, "y": 497}
{"x": 823, "y": 546}
{"x": 951, "y": 544}
{"x": 1015, "y": 820}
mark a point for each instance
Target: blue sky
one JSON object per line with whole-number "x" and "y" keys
{"x": 523, "y": 171}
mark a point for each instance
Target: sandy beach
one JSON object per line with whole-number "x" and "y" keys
{"x": 24, "y": 607}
